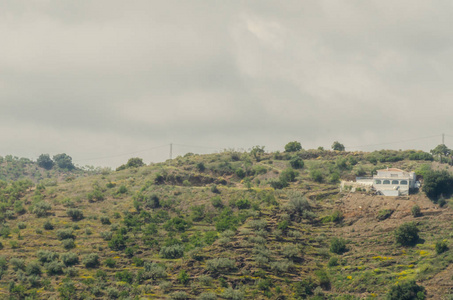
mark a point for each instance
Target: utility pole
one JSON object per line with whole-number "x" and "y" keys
{"x": 443, "y": 138}
{"x": 171, "y": 150}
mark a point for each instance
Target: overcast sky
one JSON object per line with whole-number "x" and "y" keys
{"x": 106, "y": 80}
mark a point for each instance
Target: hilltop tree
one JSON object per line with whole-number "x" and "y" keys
{"x": 293, "y": 147}
{"x": 44, "y": 161}
{"x": 64, "y": 161}
{"x": 337, "y": 146}
{"x": 257, "y": 151}
{"x": 441, "y": 150}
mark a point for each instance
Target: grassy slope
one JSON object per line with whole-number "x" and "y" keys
{"x": 372, "y": 264}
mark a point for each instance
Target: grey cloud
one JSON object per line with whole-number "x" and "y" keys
{"x": 101, "y": 78}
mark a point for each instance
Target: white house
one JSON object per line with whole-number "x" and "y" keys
{"x": 394, "y": 182}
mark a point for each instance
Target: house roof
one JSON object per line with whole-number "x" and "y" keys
{"x": 392, "y": 169}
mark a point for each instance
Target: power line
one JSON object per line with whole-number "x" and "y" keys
{"x": 123, "y": 154}
{"x": 192, "y": 146}
{"x": 395, "y": 142}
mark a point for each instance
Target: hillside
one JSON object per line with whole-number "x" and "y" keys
{"x": 230, "y": 225}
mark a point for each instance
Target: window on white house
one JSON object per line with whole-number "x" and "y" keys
{"x": 394, "y": 181}
{"x": 386, "y": 182}
{"x": 377, "y": 181}
{"x": 403, "y": 181}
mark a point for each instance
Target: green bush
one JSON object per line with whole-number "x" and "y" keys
{"x": 441, "y": 247}
{"x": 48, "y": 225}
{"x": 45, "y": 256}
{"x": 63, "y": 234}
{"x": 17, "y": 263}
{"x": 416, "y": 212}
{"x": 296, "y": 162}
{"x": 338, "y": 245}
{"x": 54, "y": 268}
{"x": 316, "y": 175}
{"x": 68, "y": 244}
{"x": 172, "y": 252}
{"x": 21, "y": 225}
{"x": 384, "y": 214}
{"x": 183, "y": 277}
{"x": 110, "y": 262}
{"x": 220, "y": 264}
{"x": 91, "y": 260}
{"x": 243, "y": 203}
{"x": 408, "y": 290}
{"x": 70, "y": 259}
{"x": 75, "y": 214}
{"x": 125, "y": 276}
{"x": 407, "y": 234}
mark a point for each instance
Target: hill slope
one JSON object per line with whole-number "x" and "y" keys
{"x": 229, "y": 225}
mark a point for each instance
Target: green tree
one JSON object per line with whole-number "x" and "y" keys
{"x": 44, "y": 161}
{"x": 64, "y": 161}
{"x": 437, "y": 183}
{"x": 257, "y": 151}
{"x": 135, "y": 162}
{"x": 337, "y": 146}
{"x": 441, "y": 150}
{"x": 407, "y": 234}
{"x": 293, "y": 147}
{"x": 408, "y": 290}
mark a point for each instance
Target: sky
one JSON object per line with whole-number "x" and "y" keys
{"x": 107, "y": 80}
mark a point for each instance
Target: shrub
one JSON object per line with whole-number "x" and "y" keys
{"x": 316, "y": 175}
{"x": 296, "y": 162}
{"x": 21, "y": 225}
{"x": 338, "y": 245}
{"x": 54, "y": 268}
{"x": 407, "y": 234}
{"x": 291, "y": 251}
{"x": 243, "y": 203}
{"x": 324, "y": 280}
{"x": 68, "y": 244}
{"x": 63, "y": 234}
{"x": 416, "y": 212}
{"x": 33, "y": 268}
{"x": 298, "y": 206}
{"x": 220, "y": 264}
{"x": 17, "y": 263}
{"x": 279, "y": 267}
{"x": 154, "y": 270}
{"x": 179, "y": 296}
{"x": 288, "y": 175}
{"x": 406, "y": 291}
{"x": 41, "y": 209}
{"x": 117, "y": 242}
{"x": 232, "y": 294}
{"x": 110, "y": 262}
{"x": 75, "y": 214}
{"x": 70, "y": 258}
{"x": 125, "y": 276}
{"x": 95, "y": 195}
{"x": 304, "y": 288}
{"x": 105, "y": 220}
{"x": 172, "y": 252}
{"x": 45, "y": 256}
{"x": 333, "y": 262}
{"x": 441, "y": 247}
{"x": 384, "y": 214}
{"x": 91, "y": 260}
{"x": 112, "y": 292}
{"x": 240, "y": 173}
{"x": 48, "y": 225}
{"x": 207, "y": 296}
{"x": 183, "y": 277}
